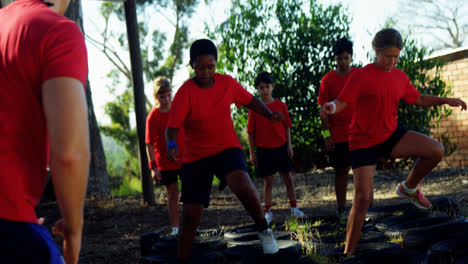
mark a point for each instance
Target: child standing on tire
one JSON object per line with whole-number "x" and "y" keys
{"x": 335, "y": 127}
{"x": 202, "y": 106}
{"x": 376, "y": 90}
{"x": 163, "y": 170}
{"x": 272, "y": 142}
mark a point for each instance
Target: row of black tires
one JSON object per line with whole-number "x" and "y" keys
{"x": 437, "y": 236}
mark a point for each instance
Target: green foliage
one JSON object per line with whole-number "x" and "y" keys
{"x": 130, "y": 185}
{"x": 293, "y": 40}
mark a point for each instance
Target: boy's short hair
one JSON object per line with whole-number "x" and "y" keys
{"x": 264, "y": 77}
{"x": 387, "y": 38}
{"x": 203, "y": 47}
{"x": 161, "y": 85}
{"x": 343, "y": 45}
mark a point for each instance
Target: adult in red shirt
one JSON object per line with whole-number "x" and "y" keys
{"x": 202, "y": 106}
{"x": 375, "y": 90}
{"x": 335, "y": 127}
{"x": 163, "y": 170}
{"x": 43, "y": 69}
{"x": 272, "y": 142}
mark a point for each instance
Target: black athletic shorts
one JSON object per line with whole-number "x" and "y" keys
{"x": 341, "y": 157}
{"x": 369, "y": 156}
{"x": 197, "y": 176}
{"x": 170, "y": 176}
{"x": 271, "y": 160}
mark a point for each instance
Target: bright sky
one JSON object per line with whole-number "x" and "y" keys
{"x": 367, "y": 15}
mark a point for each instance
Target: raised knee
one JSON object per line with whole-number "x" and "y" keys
{"x": 438, "y": 151}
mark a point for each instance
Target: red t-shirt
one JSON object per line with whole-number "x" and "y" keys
{"x": 376, "y": 95}
{"x": 156, "y": 124}
{"x": 330, "y": 87}
{"x": 36, "y": 44}
{"x": 205, "y": 115}
{"x": 266, "y": 133}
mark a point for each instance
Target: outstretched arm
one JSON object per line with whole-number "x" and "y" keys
{"x": 65, "y": 110}
{"x": 259, "y": 107}
{"x": 331, "y": 108}
{"x": 430, "y": 100}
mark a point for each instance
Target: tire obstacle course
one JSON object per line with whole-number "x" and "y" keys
{"x": 392, "y": 234}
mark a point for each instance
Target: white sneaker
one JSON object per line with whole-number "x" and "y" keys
{"x": 175, "y": 231}
{"x": 268, "y": 241}
{"x": 295, "y": 212}
{"x": 268, "y": 216}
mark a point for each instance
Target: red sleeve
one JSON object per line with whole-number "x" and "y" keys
{"x": 323, "y": 96}
{"x": 411, "y": 94}
{"x": 287, "y": 119}
{"x": 148, "y": 135}
{"x": 251, "y": 123}
{"x": 351, "y": 90}
{"x": 180, "y": 108}
{"x": 240, "y": 96}
{"x": 64, "y": 53}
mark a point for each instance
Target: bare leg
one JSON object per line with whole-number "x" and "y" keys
{"x": 191, "y": 215}
{"x": 363, "y": 177}
{"x": 341, "y": 184}
{"x": 241, "y": 185}
{"x": 287, "y": 179}
{"x": 429, "y": 151}
{"x": 173, "y": 203}
{"x": 268, "y": 189}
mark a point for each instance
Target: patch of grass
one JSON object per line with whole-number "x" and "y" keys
{"x": 317, "y": 259}
{"x": 130, "y": 185}
{"x": 398, "y": 240}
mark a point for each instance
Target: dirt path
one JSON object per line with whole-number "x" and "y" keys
{"x": 113, "y": 225}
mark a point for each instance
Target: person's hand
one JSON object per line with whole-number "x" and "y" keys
{"x": 290, "y": 152}
{"x": 253, "y": 159}
{"x": 40, "y": 220}
{"x": 156, "y": 175}
{"x": 172, "y": 154}
{"x": 71, "y": 241}
{"x": 329, "y": 144}
{"x": 276, "y": 117}
{"x": 327, "y": 109}
{"x": 454, "y": 102}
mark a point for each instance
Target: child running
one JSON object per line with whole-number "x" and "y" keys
{"x": 335, "y": 127}
{"x": 202, "y": 106}
{"x": 375, "y": 90}
{"x": 163, "y": 170}
{"x": 273, "y": 144}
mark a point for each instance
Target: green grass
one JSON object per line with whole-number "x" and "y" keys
{"x": 130, "y": 185}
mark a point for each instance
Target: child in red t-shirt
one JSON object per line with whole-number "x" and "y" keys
{"x": 273, "y": 144}
{"x": 335, "y": 127}
{"x": 375, "y": 90}
{"x": 163, "y": 170}
{"x": 202, "y": 106}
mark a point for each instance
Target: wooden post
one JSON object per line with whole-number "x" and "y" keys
{"x": 139, "y": 97}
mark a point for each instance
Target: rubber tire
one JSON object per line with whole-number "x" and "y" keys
{"x": 462, "y": 260}
{"x": 251, "y": 239}
{"x": 147, "y": 241}
{"x": 446, "y": 205}
{"x": 208, "y": 257}
{"x": 239, "y": 231}
{"x": 422, "y": 240}
{"x": 448, "y": 250}
{"x": 289, "y": 252}
{"x": 378, "y": 212}
{"x": 385, "y": 223}
{"x": 390, "y": 256}
{"x": 336, "y": 255}
{"x": 426, "y": 224}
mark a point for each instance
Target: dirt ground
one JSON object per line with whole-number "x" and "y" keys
{"x": 113, "y": 225}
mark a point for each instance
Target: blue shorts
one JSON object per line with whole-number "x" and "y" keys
{"x": 197, "y": 176}
{"x": 22, "y": 242}
{"x": 272, "y": 160}
{"x": 369, "y": 156}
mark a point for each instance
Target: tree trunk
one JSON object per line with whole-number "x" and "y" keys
{"x": 98, "y": 182}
